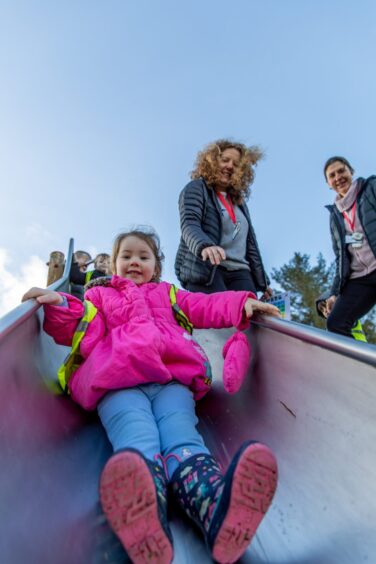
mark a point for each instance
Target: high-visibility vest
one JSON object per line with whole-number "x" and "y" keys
{"x": 74, "y": 358}
{"x": 88, "y": 276}
{"x": 179, "y": 314}
{"x": 358, "y": 333}
{"x": 184, "y": 322}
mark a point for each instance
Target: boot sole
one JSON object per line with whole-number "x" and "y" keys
{"x": 253, "y": 486}
{"x": 129, "y": 500}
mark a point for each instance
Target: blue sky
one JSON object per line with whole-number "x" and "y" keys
{"x": 104, "y": 105}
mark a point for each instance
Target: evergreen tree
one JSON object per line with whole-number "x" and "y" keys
{"x": 305, "y": 284}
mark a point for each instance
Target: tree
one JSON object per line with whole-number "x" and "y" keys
{"x": 305, "y": 284}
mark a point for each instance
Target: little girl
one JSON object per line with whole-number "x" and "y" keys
{"x": 142, "y": 371}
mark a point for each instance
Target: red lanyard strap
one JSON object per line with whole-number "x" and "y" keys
{"x": 229, "y": 206}
{"x": 350, "y": 220}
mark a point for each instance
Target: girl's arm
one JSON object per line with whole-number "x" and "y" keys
{"x": 60, "y": 320}
{"x": 222, "y": 309}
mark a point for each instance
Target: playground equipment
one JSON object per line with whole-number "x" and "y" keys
{"x": 309, "y": 395}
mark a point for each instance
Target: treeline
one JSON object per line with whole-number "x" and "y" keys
{"x": 305, "y": 283}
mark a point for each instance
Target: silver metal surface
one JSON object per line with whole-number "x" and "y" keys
{"x": 329, "y": 341}
{"x": 309, "y": 395}
{"x": 316, "y": 409}
{"x": 11, "y": 320}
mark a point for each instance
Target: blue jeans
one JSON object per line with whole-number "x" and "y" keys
{"x": 154, "y": 419}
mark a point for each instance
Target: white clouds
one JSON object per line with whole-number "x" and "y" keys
{"x": 14, "y": 285}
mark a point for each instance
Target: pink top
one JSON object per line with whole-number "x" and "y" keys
{"x": 135, "y": 339}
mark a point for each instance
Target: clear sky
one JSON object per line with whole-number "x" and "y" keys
{"x": 104, "y": 105}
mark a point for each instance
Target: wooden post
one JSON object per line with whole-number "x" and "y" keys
{"x": 55, "y": 267}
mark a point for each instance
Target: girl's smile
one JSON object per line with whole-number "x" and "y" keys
{"x": 135, "y": 260}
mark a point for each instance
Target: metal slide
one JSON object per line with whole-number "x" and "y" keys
{"x": 309, "y": 395}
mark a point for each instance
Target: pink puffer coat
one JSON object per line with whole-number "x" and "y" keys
{"x": 134, "y": 338}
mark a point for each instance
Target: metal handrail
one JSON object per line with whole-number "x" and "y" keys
{"x": 364, "y": 352}
{"x": 19, "y": 314}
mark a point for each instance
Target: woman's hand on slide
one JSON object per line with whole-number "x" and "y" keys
{"x": 43, "y": 296}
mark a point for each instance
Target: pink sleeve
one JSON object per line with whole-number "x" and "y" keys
{"x": 216, "y": 311}
{"x": 61, "y": 322}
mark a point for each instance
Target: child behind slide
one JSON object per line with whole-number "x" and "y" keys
{"x": 143, "y": 372}
{"x": 79, "y": 273}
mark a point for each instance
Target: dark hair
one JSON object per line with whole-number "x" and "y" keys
{"x": 338, "y": 159}
{"x": 207, "y": 166}
{"x": 102, "y": 256}
{"x": 150, "y": 237}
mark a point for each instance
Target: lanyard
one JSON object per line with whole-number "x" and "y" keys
{"x": 229, "y": 206}
{"x": 350, "y": 221}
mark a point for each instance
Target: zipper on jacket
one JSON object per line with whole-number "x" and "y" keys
{"x": 216, "y": 206}
{"x": 359, "y": 209}
{"x": 342, "y": 249}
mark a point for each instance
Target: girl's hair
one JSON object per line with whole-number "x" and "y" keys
{"x": 337, "y": 159}
{"x": 101, "y": 256}
{"x": 81, "y": 254}
{"x": 207, "y": 166}
{"x": 150, "y": 237}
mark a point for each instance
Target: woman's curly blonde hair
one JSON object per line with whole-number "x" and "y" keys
{"x": 207, "y": 162}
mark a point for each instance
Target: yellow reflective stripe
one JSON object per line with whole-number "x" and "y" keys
{"x": 88, "y": 276}
{"x": 180, "y": 316}
{"x": 173, "y": 294}
{"x": 74, "y": 358}
{"x": 358, "y": 333}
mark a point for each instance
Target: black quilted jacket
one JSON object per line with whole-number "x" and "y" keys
{"x": 200, "y": 223}
{"x": 366, "y": 208}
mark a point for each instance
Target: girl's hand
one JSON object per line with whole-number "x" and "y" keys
{"x": 252, "y": 306}
{"x": 43, "y": 296}
{"x": 215, "y": 254}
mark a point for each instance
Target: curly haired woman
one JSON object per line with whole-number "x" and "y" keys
{"x": 218, "y": 249}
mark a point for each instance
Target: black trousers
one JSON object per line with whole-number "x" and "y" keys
{"x": 226, "y": 280}
{"x": 356, "y": 299}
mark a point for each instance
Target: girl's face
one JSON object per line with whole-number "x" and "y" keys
{"x": 102, "y": 264}
{"x": 228, "y": 161}
{"x": 339, "y": 177}
{"x": 135, "y": 260}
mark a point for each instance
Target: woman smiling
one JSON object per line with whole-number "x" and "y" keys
{"x": 218, "y": 249}
{"x": 353, "y": 230}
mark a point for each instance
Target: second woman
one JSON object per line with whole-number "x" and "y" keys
{"x": 218, "y": 249}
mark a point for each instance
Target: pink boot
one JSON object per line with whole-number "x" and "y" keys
{"x": 133, "y": 496}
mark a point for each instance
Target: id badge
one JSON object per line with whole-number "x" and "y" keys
{"x": 355, "y": 240}
{"x": 236, "y": 230}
